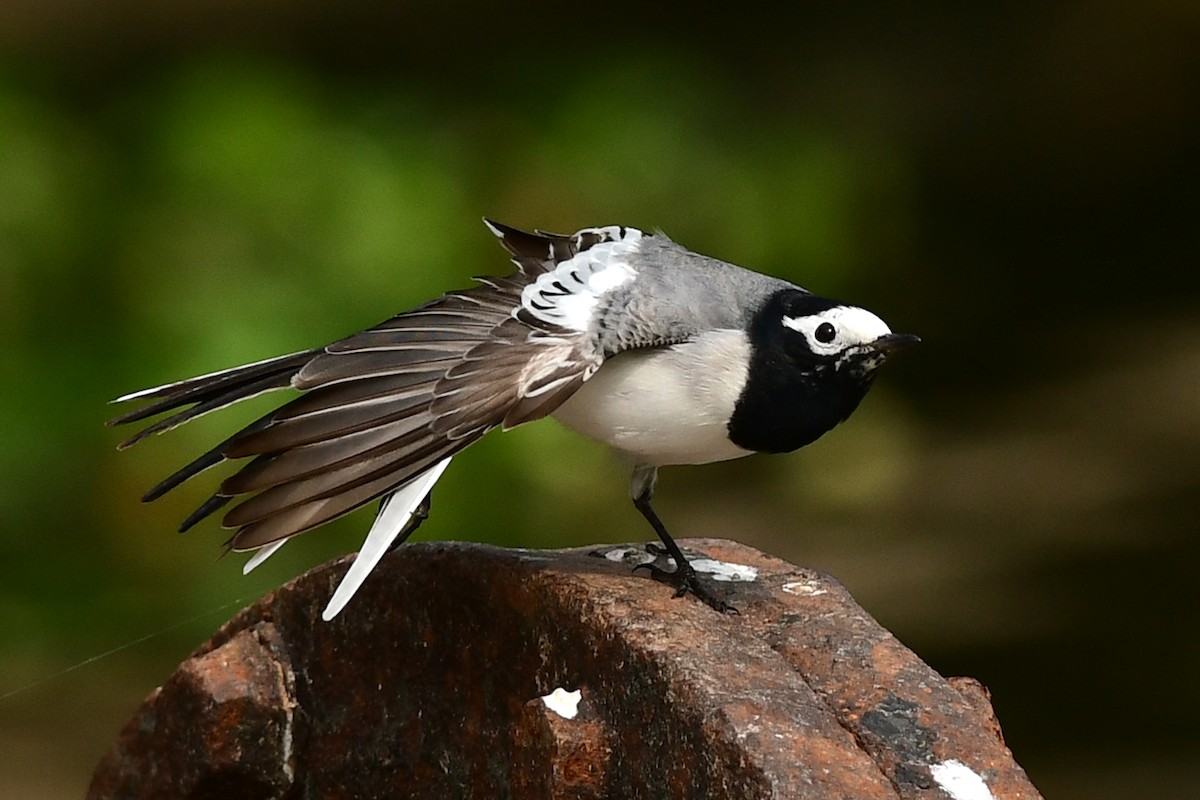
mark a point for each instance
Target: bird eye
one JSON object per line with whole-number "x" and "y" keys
{"x": 825, "y": 333}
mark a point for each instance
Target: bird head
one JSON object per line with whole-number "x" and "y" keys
{"x": 821, "y": 334}
{"x": 812, "y": 361}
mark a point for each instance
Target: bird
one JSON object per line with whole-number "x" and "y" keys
{"x": 667, "y": 356}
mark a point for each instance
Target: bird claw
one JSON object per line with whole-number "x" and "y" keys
{"x": 685, "y": 580}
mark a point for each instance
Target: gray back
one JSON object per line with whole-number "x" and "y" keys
{"x": 678, "y": 294}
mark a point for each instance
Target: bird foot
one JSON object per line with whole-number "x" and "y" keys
{"x": 685, "y": 579}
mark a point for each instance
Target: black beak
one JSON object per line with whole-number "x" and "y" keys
{"x": 893, "y": 342}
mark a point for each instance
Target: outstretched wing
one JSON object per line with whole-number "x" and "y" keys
{"x": 378, "y": 409}
{"x": 386, "y": 407}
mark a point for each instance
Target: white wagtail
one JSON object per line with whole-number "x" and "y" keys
{"x": 668, "y": 356}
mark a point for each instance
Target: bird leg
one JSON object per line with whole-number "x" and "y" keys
{"x": 683, "y": 577}
{"x": 419, "y": 515}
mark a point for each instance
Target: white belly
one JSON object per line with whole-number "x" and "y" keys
{"x": 666, "y": 405}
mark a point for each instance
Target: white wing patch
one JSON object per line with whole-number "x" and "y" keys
{"x": 397, "y": 510}
{"x": 567, "y": 296}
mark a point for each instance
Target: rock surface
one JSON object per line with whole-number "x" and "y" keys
{"x": 429, "y": 685}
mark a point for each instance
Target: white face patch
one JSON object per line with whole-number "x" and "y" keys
{"x": 568, "y": 295}
{"x": 836, "y": 329}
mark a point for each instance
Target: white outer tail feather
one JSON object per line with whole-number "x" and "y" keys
{"x": 262, "y": 554}
{"x": 396, "y": 511}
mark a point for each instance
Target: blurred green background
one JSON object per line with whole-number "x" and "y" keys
{"x": 189, "y": 186}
